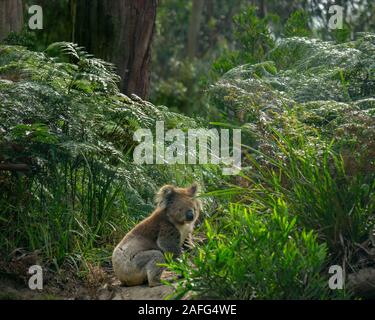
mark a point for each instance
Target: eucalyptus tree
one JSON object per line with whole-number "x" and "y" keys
{"x": 11, "y": 17}
{"x": 119, "y": 31}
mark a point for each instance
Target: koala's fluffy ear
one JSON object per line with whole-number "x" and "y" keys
{"x": 164, "y": 196}
{"x": 193, "y": 189}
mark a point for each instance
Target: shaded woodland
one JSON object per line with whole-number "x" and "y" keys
{"x": 73, "y": 93}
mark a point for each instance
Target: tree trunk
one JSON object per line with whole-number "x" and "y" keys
{"x": 194, "y": 28}
{"x": 262, "y": 9}
{"x": 11, "y": 17}
{"x": 119, "y": 31}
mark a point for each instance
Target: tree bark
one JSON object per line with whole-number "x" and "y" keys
{"x": 119, "y": 31}
{"x": 11, "y": 17}
{"x": 262, "y": 8}
{"x": 194, "y": 28}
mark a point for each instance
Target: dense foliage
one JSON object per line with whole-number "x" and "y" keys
{"x": 303, "y": 97}
{"x": 255, "y": 256}
{"x": 63, "y": 118}
{"x": 309, "y": 115}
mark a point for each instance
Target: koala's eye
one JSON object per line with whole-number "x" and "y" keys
{"x": 190, "y": 215}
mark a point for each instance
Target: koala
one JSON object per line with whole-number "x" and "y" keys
{"x": 135, "y": 259}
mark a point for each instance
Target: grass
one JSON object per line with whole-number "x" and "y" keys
{"x": 255, "y": 256}
{"x": 295, "y": 212}
{"x": 312, "y": 179}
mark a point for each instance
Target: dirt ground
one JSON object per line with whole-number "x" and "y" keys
{"x": 14, "y": 288}
{"x": 96, "y": 283}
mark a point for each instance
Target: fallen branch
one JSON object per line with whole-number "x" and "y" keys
{"x": 14, "y": 167}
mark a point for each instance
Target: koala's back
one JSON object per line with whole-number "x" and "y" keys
{"x": 143, "y": 236}
{"x": 141, "y": 240}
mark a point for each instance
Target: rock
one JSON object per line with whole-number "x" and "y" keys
{"x": 142, "y": 293}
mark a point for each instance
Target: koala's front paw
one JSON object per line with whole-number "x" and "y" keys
{"x": 189, "y": 245}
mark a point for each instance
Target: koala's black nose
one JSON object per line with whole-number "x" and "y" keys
{"x": 190, "y": 215}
